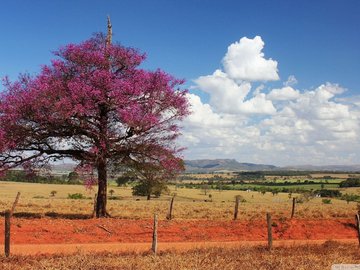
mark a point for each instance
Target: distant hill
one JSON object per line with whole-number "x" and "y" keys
{"x": 212, "y": 165}
{"x": 329, "y": 168}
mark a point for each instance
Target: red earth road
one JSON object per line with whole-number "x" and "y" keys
{"x": 49, "y": 235}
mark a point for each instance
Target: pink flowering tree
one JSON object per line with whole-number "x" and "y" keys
{"x": 95, "y": 105}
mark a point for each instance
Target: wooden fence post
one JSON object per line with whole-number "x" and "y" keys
{"x": 7, "y": 233}
{"x": 154, "y": 238}
{"x": 14, "y": 204}
{"x": 357, "y": 221}
{"x": 269, "y": 229}
{"x": 293, "y": 208}
{"x": 169, "y": 215}
{"x": 237, "y": 200}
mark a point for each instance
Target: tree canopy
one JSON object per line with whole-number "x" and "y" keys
{"x": 95, "y": 105}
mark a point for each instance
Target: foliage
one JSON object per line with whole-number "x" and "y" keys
{"x": 74, "y": 178}
{"x": 328, "y": 193}
{"x": 21, "y": 176}
{"x": 124, "y": 179}
{"x": 205, "y": 188}
{"x": 251, "y": 175}
{"x": 92, "y": 104}
{"x": 53, "y": 193}
{"x": 152, "y": 178}
{"x": 304, "y": 197}
{"x": 350, "y": 197}
{"x": 148, "y": 188}
{"x": 76, "y": 196}
{"x": 326, "y": 201}
{"x": 350, "y": 182}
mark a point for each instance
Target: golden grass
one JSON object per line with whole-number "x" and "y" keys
{"x": 313, "y": 257}
{"x": 189, "y": 203}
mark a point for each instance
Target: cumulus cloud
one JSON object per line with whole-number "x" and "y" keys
{"x": 279, "y": 125}
{"x": 245, "y": 60}
{"x": 285, "y": 93}
{"x": 228, "y": 96}
{"x": 203, "y": 115}
{"x": 313, "y": 120}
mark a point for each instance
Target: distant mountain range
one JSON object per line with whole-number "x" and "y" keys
{"x": 212, "y": 165}
{"x": 215, "y": 165}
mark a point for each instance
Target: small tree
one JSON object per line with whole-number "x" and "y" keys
{"x": 148, "y": 188}
{"x": 53, "y": 193}
{"x": 152, "y": 178}
{"x": 111, "y": 191}
{"x": 73, "y": 178}
{"x": 205, "y": 188}
{"x": 124, "y": 179}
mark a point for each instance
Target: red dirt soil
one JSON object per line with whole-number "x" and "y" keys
{"x": 61, "y": 231}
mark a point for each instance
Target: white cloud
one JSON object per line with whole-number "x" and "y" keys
{"x": 285, "y": 93}
{"x": 291, "y": 81}
{"x": 283, "y": 127}
{"x": 203, "y": 115}
{"x": 245, "y": 60}
{"x": 228, "y": 96}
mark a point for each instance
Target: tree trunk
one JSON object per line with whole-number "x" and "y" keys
{"x": 102, "y": 190}
{"x": 148, "y": 197}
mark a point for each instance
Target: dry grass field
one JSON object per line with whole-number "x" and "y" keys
{"x": 191, "y": 208}
{"x": 189, "y": 203}
{"x": 315, "y": 257}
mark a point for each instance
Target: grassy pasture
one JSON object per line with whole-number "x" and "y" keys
{"x": 189, "y": 203}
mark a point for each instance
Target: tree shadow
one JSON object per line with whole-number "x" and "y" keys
{"x": 50, "y": 215}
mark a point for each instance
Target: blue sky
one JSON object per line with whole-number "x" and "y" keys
{"x": 315, "y": 41}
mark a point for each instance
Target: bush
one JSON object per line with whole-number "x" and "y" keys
{"x": 305, "y": 197}
{"x": 328, "y": 193}
{"x": 326, "y": 201}
{"x": 76, "y": 196}
{"x": 350, "y": 197}
{"x": 350, "y": 182}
